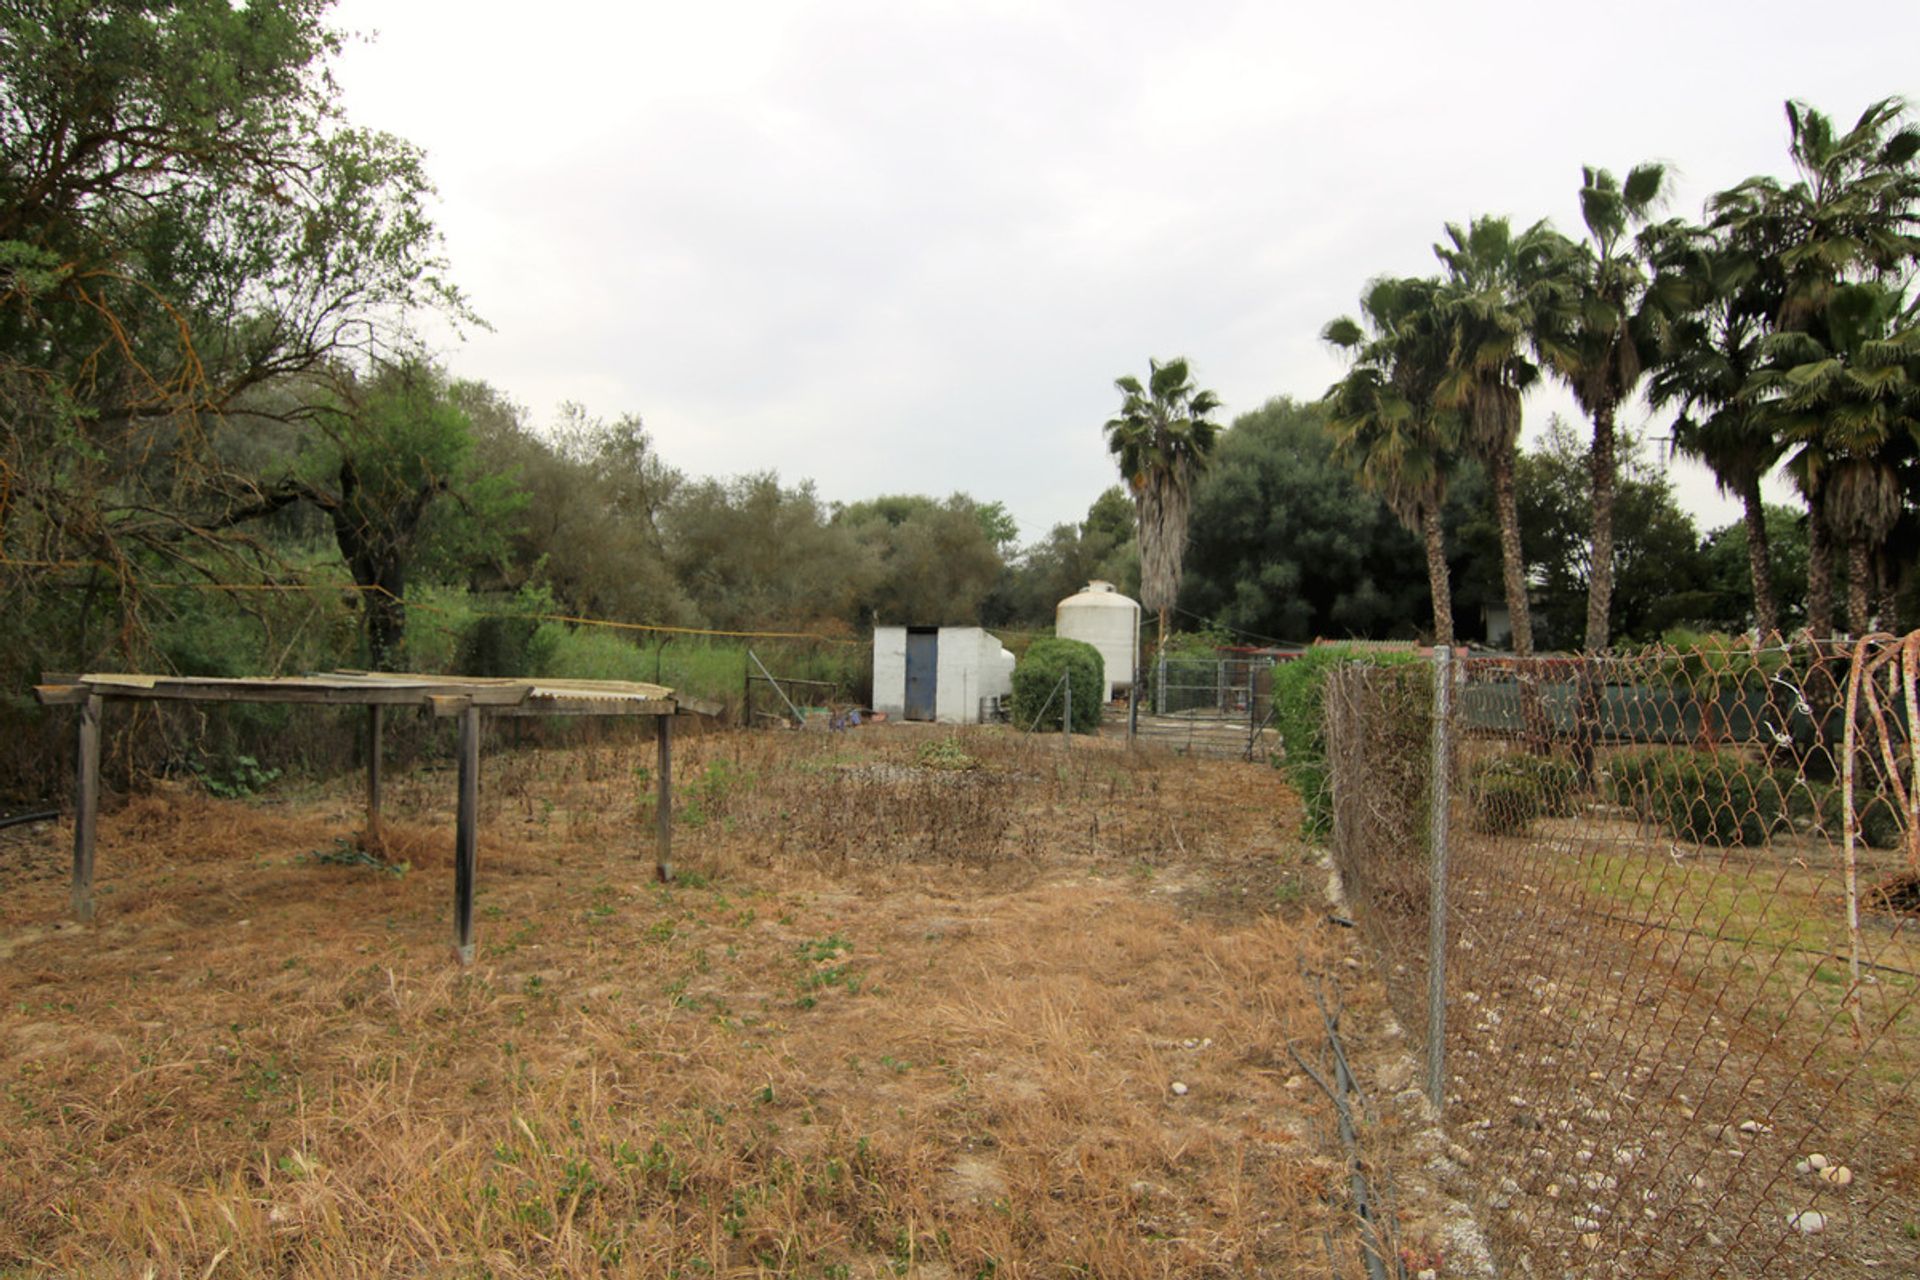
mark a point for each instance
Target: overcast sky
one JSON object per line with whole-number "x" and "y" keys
{"x": 907, "y": 247}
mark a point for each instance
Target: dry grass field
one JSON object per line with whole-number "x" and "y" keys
{"x": 916, "y": 1007}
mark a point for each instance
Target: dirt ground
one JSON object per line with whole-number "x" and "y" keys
{"x": 920, "y": 1004}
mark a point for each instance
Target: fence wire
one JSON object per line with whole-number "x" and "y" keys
{"x": 1680, "y": 966}
{"x": 1210, "y": 706}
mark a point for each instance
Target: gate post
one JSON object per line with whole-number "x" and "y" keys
{"x": 1437, "y": 822}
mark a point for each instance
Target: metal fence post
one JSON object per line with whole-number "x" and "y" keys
{"x": 1066, "y": 718}
{"x": 1160, "y": 694}
{"x": 1437, "y": 823}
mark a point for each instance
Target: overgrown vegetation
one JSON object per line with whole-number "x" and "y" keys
{"x": 1299, "y": 700}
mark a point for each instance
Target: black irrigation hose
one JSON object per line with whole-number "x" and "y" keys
{"x": 21, "y": 819}
{"x": 1349, "y": 1138}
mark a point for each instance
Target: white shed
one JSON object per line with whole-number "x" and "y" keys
{"x": 1109, "y": 622}
{"x": 944, "y": 674}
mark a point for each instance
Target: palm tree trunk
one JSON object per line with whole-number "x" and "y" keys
{"x": 1887, "y": 586}
{"x": 1513, "y": 566}
{"x": 1859, "y": 586}
{"x": 1819, "y": 574}
{"x": 1600, "y": 473}
{"x": 1439, "y": 581}
{"x": 1766, "y": 610}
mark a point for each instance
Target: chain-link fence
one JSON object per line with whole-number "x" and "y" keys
{"x": 1674, "y": 895}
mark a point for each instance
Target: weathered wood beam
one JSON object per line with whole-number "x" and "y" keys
{"x": 59, "y": 695}
{"x": 540, "y": 708}
{"x": 357, "y": 696}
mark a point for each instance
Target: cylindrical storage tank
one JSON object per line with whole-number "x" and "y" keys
{"x": 1109, "y": 622}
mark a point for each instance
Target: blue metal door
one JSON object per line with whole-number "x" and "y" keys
{"x": 923, "y": 655}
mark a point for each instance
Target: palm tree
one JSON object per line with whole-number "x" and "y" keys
{"x": 1385, "y": 425}
{"x": 1591, "y": 332}
{"x": 1711, "y": 306}
{"x": 1162, "y": 438}
{"x": 1486, "y": 312}
{"x": 1852, "y": 402}
{"x": 1852, "y": 217}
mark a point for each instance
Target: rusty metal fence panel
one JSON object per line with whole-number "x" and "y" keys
{"x": 1681, "y": 963}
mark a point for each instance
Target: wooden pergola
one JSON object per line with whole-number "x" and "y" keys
{"x": 455, "y": 697}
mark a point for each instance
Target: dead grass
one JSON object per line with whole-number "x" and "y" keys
{"x": 897, "y": 1018}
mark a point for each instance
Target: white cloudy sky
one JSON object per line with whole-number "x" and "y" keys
{"x": 899, "y": 246}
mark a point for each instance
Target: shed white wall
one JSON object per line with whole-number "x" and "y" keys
{"x": 972, "y": 666}
{"x": 890, "y": 671}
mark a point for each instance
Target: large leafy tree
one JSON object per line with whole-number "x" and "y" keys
{"x": 1488, "y": 308}
{"x": 185, "y": 217}
{"x": 1286, "y": 544}
{"x": 1841, "y": 242}
{"x": 929, "y": 562}
{"x": 1593, "y": 331}
{"x": 391, "y": 466}
{"x": 1162, "y": 438}
{"x": 1663, "y": 578}
{"x": 1386, "y": 425}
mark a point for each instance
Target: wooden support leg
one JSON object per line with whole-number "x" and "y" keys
{"x": 663, "y": 805}
{"x": 374, "y": 753}
{"x": 86, "y": 806}
{"x": 466, "y": 833}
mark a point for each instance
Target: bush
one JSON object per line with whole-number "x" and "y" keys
{"x": 1035, "y": 700}
{"x": 1299, "y": 713}
{"x": 1714, "y": 797}
{"x": 1880, "y": 823}
{"x": 1503, "y": 803}
{"x": 1508, "y": 792}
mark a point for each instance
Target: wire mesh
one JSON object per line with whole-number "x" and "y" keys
{"x": 1681, "y": 964}
{"x": 1217, "y": 706}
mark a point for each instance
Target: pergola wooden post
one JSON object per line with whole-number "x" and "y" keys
{"x": 466, "y": 699}
{"x": 663, "y": 803}
{"x": 86, "y": 805}
{"x": 466, "y": 835}
{"x": 375, "y": 751}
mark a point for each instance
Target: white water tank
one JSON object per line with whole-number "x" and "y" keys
{"x": 1109, "y": 622}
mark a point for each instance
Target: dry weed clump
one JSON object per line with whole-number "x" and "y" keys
{"x": 896, "y": 1020}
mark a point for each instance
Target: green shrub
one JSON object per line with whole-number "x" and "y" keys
{"x": 1036, "y": 701}
{"x": 1503, "y": 803}
{"x": 1510, "y": 791}
{"x": 1880, "y": 823}
{"x": 1299, "y": 713}
{"x": 1709, "y": 797}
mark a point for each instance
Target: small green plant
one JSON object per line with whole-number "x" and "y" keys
{"x": 245, "y": 778}
{"x": 947, "y": 754}
{"x": 345, "y": 853}
{"x": 709, "y": 794}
